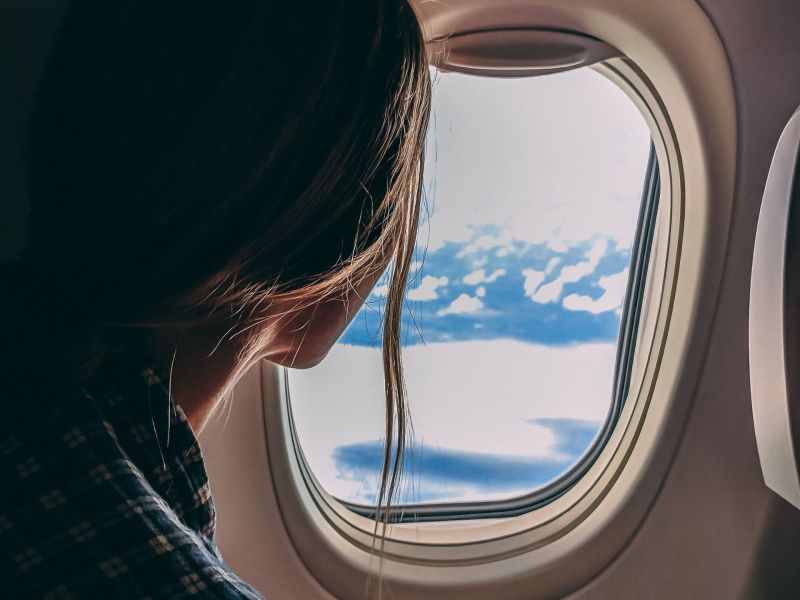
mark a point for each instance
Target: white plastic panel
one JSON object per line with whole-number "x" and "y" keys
{"x": 768, "y": 360}
{"x": 517, "y": 52}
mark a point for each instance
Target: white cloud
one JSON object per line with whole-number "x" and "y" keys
{"x": 551, "y": 291}
{"x": 448, "y": 384}
{"x": 556, "y": 244}
{"x": 548, "y": 293}
{"x": 613, "y": 294}
{"x": 463, "y": 305}
{"x": 486, "y": 242}
{"x": 533, "y": 279}
{"x": 477, "y": 263}
{"x": 427, "y": 288}
{"x": 597, "y": 251}
{"x": 434, "y": 235}
{"x": 480, "y": 292}
{"x": 495, "y": 274}
{"x": 480, "y": 276}
{"x": 475, "y": 277}
{"x": 380, "y": 291}
{"x": 552, "y": 264}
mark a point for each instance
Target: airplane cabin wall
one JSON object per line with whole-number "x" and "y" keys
{"x": 715, "y": 531}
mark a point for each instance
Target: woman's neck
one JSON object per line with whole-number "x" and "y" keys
{"x": 201, "y": 363}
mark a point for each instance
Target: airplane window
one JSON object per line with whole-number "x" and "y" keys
{"x": 514, "y": 308}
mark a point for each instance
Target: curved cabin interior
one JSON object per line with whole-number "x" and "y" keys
{"x": 600, "y": 334}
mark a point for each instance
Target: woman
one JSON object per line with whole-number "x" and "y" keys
{"x": 211, "y": 184}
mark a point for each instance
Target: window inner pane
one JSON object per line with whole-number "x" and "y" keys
{"x": 533, "y": 187}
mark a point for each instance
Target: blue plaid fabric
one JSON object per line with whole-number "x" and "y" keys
{"x": 104, "y": 495}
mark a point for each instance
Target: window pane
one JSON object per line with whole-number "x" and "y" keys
{"x": 533, "y": 187}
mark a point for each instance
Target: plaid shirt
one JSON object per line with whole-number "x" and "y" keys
{"x": 104, "y": 495}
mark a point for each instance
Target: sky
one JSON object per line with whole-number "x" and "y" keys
{"x": 532, "y": 191}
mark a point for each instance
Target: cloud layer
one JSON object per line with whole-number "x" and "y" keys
{"x": 435, "y": 474}
{"x": 533, "y": 294}
{"x": 500, "y": 398}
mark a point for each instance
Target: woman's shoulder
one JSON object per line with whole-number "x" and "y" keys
{"x": 107, "y": 496}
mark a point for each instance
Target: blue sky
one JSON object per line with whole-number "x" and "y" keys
{"x": 532, "y": 190}
{"x": 499, "y": 306}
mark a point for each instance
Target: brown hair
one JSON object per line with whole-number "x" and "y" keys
{"x": 196, "y": 160}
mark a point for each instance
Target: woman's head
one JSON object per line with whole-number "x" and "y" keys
{"x": 195, "y": 162}
{"x": 189, "y": 158}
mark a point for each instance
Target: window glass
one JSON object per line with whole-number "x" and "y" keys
{"x": 533, "y": 187}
